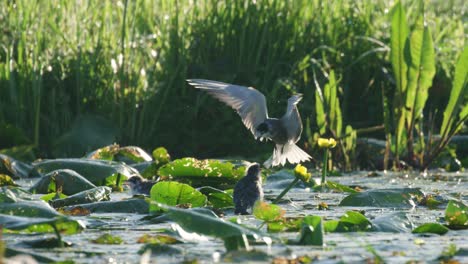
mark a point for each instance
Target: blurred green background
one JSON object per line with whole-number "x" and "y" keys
{"x": 76, "y": 75}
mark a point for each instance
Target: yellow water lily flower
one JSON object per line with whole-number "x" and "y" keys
{"x": 301, "y": 172}
{"x": 326, "y": 142}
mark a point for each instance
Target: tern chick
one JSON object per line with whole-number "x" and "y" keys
{"x": 139, "y": 185}
{"x": 250, "y": 104}
{"x": 248, "y": 190}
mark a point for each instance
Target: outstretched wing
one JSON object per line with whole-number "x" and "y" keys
{"x": 249, "y": 103}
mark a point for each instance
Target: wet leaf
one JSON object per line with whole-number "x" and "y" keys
{"x": 397, "y": 222}
{"x": 48, "y": 242}
{"x": 232, "y": 234}
{"x": 267, "y": 212}
{"x": 16, "y": 205}
{"x": 41, "y": 224}
{"x": 311, "y": 231}
{"x": 456, "y": 215}
{"x": 95, "y": 171}
{"x": 161, "y": 156}
{"x": 135, "y": 205}
{"x": 53, "y": 196}
{"x": 101, "y": 193}
{"x": 396, "y": 198}
{"x": 108, "y": 239}
{"x": 175, "y": 193}
{"x": 158, "y": 239}
{"x": 330, "y": 185}
{"x": 217, "y": 198}
{"x": 351, "y": 221}
{"x": 214, "y": 173}
{"x": 70, "y": 182}
{"x": 433, "y": 228}
{"x": 6, "y": 180}
{"x": 16, "y": 168}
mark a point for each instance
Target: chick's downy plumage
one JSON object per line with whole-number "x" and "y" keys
{"x": 139, "y": 185}
{"x": 250, "y": 104}
{"x": 248, "y": 190}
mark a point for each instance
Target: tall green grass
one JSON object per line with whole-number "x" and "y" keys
{"x": 128, "y": 60}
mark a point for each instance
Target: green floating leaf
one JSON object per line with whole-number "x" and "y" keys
{"x": 396, "y": 198}
{"x": 330, "y": 185}
{"x": 101, "y": 193}
{"x": 161, "y": 156}
{"x": 433, "y": 228}
{"x": 217, "y": 198}
{"x": 70, "y": 182}
{"x": 95, "y": 171}
{"x": 53, "y": 196}
{"x": 134, "y": 205}
{"x": 397, "y": 222}
{"x": 351, "y": 221}
{"x": 216, "y": 173}
{"x": 40, "y": 224}
{"x": 16, "y": 168}
{"x": 15, "y": 205}
{"x": 232, "y": 234}
{"x": 175, "y": 193}
{"x": 6, "y": 180}
{"x": 268, "y": 212}
{"x": 132, "y": 154}
{"x": 311, "y": 231}
{"x": 108, "y": 239}
{"x": 456, "y": 215}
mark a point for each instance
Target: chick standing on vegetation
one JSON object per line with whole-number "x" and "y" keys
{"x": 250, "y": 104}
{"x": 248, "y": 190}
{"x": 139, "y": 185}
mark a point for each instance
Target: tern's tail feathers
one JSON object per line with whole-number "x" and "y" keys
{"x": 289, "y": 152}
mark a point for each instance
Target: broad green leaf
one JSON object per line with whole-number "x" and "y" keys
{"x": 397, "y": 222}
{"x": 217, "y": 198}
{"x": 131, "y": 206}
{"x": 108, "y": 239}
{"x": 208, "y": 225}
{"x": 95, "y": 171}
{"x": 132, "y": 154}
{"x": 433, "y": 228}
{"x": 334, "y": 186}
{"x": 311, "y": 231}
{"x": 459, "y": 89}
{"x": 175, "y": 193}
{"x": 41, "y": 224}
{"x": 396, "y": 198}
{"x": 101, "y": 193}
{"x": 16, "y": 168}
{"x": 161, "y": 156}
{"x": 11, "y": 194}
{"x": 6, "y": 180}
{"x": 215, "y": 173}
{"x": 70, "y": 182}
{"x": 351, "y": 221}
{"x": 456, "y": 215}
{"x": 53, "y": 196}
{"x": 267, "y": 212}
{"x": 15, "y": 205}
{"x": 398, "y": 58}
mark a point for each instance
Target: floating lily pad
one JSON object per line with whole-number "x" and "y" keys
{"x": 16, "y": 169}
{"x": 351, "y": 221}
{"x": 268, "y": 212}
{"x": 456, "y": 215}
{"x": 108, "y": 239}
{"x": 13, "y": 205}
{"x": 395, "y": 198}
{"x": 95, "y": 171}
{"x": 101, "y": 193}
{"x": 53, "y": 196}
{"x": 333, "y": 186}
{"x": 135, "y": 205}
{"x": 128, "y": 154}
{"x": 41, "y": 224}
{"x": 205, "y": 224}
{"x": 311, "y": 231}
{"x": 216, "y": 197}
{"x": 215, "y": 173}
{"x": 433, "y": 228}
{"x": 397, "y": 222}
{"x": 175, "y": 193}
{"x": 69, "y": 181}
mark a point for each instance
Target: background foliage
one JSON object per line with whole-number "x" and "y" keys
{"x": 78, "y": 74}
